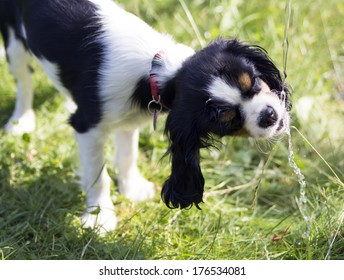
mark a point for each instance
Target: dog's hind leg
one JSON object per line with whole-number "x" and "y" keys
{"x": 130, "y": 182}
{"x": 95, "y": 181}
{"x": 23, "y": 117}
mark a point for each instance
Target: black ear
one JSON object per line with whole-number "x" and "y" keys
{"x": 269, "y": 73}
{"x": 185, "y": 186}
{"x": 267, "y": 69}
{"x": 260, "y": 59}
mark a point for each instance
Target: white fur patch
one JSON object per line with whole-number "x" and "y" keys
{"x": 130, "y": 182}
{"x": 95, "y": 181}
{"x": 253, "y": 109}
{"x": 23, "y": 117}
{"x": 2, "y": 53}
{"x": 130, "y": 45}
{"x": 221, "y": 90}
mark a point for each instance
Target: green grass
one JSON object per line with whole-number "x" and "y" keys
{"x": 251, "y": 192}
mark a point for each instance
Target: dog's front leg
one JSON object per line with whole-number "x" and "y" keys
{"x": 130, "y": 182}
{"x": 95, "y": 181}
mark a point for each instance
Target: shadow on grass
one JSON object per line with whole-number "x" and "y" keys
{"x": 39, "y": 219}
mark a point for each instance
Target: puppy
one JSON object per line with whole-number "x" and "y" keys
{"x": 119, "y": 71}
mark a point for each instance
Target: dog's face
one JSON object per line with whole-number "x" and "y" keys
{"x": 228, "y": 88}
{"x": 241, "y": 103}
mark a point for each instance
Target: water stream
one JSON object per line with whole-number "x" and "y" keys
{"x": 302, "y": 201}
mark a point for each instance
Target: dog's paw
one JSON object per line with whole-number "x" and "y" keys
{"x": 20, "y": 125}
{"x": 136, "y": 188}
{"x": 102, "y": 220}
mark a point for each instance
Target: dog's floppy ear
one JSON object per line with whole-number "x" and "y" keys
{"x": 185, "y": 185}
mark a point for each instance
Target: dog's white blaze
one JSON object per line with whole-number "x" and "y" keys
{"x": 219, "y": 89}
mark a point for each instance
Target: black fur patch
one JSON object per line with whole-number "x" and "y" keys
{"x": 66, "y": 37}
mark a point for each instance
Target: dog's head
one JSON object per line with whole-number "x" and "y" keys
{"x": 228, "y": 88}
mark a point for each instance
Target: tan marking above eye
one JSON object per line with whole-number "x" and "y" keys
{"x": 245, "y": 82}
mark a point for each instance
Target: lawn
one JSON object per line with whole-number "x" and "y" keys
{"x": 252, "y": 198}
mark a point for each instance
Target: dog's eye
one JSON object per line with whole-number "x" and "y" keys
{"x": 256, "y": 86}
{"x": 227, "y": 115}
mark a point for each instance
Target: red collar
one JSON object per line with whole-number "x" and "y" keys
{"x": 156, "y": 64}
{"x": 154, "y": 88}
{"x": 155, "y": 106}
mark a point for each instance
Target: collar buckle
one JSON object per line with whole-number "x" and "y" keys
{"x": 155, "y": 106}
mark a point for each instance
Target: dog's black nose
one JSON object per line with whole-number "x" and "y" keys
{"x": 267, "y": 117}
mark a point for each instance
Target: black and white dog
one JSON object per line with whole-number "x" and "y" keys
{"x": 118, "y": 70}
